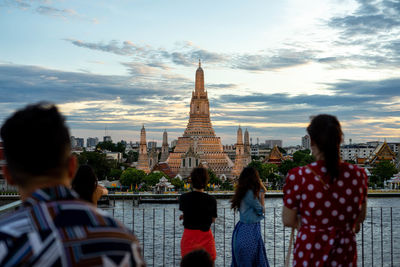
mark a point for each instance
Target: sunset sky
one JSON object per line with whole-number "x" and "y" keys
{"x": 269, "y": 65}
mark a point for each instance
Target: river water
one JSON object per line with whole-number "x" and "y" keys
{"x": 159, "y": 231}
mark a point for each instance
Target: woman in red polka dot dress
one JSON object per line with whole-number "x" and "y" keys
{"x": 325, "y": 200}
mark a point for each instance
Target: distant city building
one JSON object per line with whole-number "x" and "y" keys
{"x": 260, "y": 150}
{"x": 230, "y": 150}
{"x": 394, "y": 147}
{"x": 107, "y": 138}
{"x": 290, "y": 150}
{"x": 272, "y": 143}
{"x": 306, "y": 142}
{"x": 115, "y": 156}
{"x": 92, "y": 142}
{"x": 356, "y": 151}
{"x": 73, "y": 141}
{"x": 79, "y": 142}
{"x": 4, "y": 186}
{"x": 151, "y": 144}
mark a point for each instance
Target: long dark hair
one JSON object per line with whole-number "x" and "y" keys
{"x": 85, "y": 182}
{"x": 326, "y": 133}
{"x": 249, "y": 179}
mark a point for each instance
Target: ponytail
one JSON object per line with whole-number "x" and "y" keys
{"x": 326, "y": 133}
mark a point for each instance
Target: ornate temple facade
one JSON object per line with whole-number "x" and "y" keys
{"x": 199, "y": 144}
{"x": 143, "y": 160}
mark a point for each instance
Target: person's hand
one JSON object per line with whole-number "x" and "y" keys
{"x": 356, "y": 228}
{"x": 181, "y": 217}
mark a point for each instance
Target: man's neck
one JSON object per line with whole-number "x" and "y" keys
{"x": 27, "y": 191}
{"x": 198, "y": 190}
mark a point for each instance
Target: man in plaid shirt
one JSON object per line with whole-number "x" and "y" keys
{"x": 53, "y": 227}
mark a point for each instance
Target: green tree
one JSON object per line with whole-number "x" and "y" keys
{"x": 132, "y": 176}
{"x": 153, "y": 178}
{"x": 382, "y": 171}
{"x": 132, "y": 156}
{"x": 98, "y": 161}
{"x": 303, "y": 157}
{"x": 226, "y": 185}
{"x": 115, "y": 173}
{"x": 177, "y": 183}
{"x": 213, "y": 178}
{"x": 286, "y": 166}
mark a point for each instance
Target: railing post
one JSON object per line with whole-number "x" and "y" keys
{"x": 381, "y": 237}
{"x": 284, "y": 242}
{"x": 154, "y": 230}
{"x": 174, "y": 237}
{"x": 143, "y": 230}
{"x": 163, "y": 256}
{"x": 274, "y": 237}
{"x": 372, "y": 238}
{"x": 224, "y": 235}
{"x": 391, "y": 237}
{"x": 362, "y": 244}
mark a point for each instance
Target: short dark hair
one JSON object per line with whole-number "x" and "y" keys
{"x": 199, "y": 178}
{"x": 197, "y": 258}
{"x": 85, "y": 182}
{"x": 36, "y": 143}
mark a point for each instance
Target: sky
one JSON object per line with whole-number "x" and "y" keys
{"x": 112, "y": 66}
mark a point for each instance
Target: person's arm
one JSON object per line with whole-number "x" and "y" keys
{"x": 360, "y": 218}
{"x": 262, "y": 199}
{"x": 214, "y": 212}
{"x": 254, "y": 202}
{"x": 289, "y": 217}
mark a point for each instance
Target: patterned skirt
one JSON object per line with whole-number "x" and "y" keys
{"x": 248, "y": 248}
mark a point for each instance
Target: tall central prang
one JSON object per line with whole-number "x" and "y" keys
{"x": 199, "y": 144}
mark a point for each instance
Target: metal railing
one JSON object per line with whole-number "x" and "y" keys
{"x": 159, "y": 232}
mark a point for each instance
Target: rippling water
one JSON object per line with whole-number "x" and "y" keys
{"x": 159, "y": 231}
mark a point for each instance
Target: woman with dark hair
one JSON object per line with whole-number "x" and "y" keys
{"x": 86, "y": 185}
{"x": 248, "y": 247}
{"x": 199, "y": 211}
{"x": 325, "y": 200}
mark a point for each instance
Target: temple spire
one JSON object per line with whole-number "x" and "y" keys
{"x": 199, "y": 85}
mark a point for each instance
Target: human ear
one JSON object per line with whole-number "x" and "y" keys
{"x": 7, "y": 175}
{"x": 72, "y": 166}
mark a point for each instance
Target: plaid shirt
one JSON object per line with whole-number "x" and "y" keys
{"x": 54, "y": 228}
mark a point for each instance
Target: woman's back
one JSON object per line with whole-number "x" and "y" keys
{"x": 322, "y": 203}
{"x": 328, "y": 210}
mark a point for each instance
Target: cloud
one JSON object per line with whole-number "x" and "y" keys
{"x": 188, "y": 55}
{"x": 127, "y": 48}
{"x": 42, "y": 7}
{"x": 93, "y": 101}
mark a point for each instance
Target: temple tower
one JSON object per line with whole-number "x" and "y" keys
{"x": 164, "y": 148}
{"x": 199, "y": 144}
{"x": 143, "y": 161}
{"x": 240, "y": 158}
{"x": 153, "y": 157}
{"x": 247, "y": 147}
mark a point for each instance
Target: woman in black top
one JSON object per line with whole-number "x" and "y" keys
{"x": 199, "y": 212}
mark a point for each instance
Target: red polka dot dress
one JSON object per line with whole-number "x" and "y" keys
{"x": 328, "y": 213}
